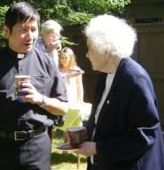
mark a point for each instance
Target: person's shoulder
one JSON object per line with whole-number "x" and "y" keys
{"x": 45, "y": 58}
{"x": 135, "y": 67}
{"x": 130, "y": 66}
{"x": 132, "y": 71}
{"x": 38, "y": 42}
{"x": 42, "y": 55}
{"x": 40, "y": 45}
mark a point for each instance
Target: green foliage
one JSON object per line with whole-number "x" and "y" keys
{"x": 68, "y": 12}
{"x": 78, "y": 18}
{"x": 71, "y": 12}
{"x": 3, "y": 10}
{"x": 65, "y": 41}
{"x": 99, "y": 6}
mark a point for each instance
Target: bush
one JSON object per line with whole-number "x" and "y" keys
{"x": 68, "y": 12}
{"x": 3, "y": 10}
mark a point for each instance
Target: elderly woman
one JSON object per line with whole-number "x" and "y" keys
{"x": 49, "y": 42}
{"x": 124, "y": 127}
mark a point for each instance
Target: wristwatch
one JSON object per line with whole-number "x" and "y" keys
{"x": 43, "y": 102}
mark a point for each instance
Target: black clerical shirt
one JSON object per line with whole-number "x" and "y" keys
{"x": 14, "y": 114}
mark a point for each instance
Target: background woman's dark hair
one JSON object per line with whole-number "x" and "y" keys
{"x": 20, "y": 12}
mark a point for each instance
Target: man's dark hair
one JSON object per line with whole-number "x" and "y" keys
{"x": 20, "y": 12}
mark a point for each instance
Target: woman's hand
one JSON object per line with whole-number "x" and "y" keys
{"x": 87, "y": 149}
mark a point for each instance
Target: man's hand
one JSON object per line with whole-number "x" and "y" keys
{"x": 32, "y": 95}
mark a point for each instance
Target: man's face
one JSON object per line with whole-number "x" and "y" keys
{"x": 23, "y": 35}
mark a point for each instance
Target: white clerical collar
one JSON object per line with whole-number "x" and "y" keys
{"x": 20, "y": 56}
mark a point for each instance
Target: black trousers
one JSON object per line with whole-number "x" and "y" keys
{"x": 32, "y": 154}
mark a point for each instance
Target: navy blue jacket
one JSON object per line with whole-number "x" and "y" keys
{"x": 128, "y": 134}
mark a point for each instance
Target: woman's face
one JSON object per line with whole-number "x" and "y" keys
{"x": 98, "y": 59}
{"x": 65, "y": 60}
{"x": 50, "y": 37}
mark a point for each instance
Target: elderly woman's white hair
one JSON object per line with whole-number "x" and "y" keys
{"x": 51, "y": 25}
{"x": 107, "y": 32}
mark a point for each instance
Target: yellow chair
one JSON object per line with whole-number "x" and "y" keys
{"x": 75, "y": 117}
{"x": 72, "y": 118}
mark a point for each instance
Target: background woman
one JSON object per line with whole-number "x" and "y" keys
{"x": 49, "y": 42}
{"x": 72, "y": 75}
